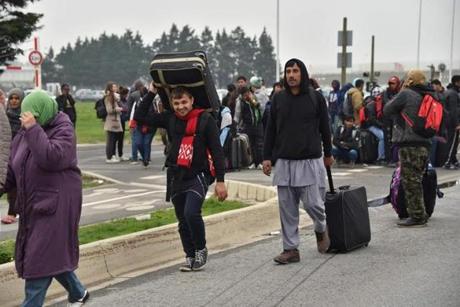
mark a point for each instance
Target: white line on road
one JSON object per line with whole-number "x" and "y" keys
{"x": 119, "y": 198}
{"x": 152, "y": 177}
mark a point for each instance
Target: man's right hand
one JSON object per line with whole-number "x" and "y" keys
{"x": 267, "y": 167}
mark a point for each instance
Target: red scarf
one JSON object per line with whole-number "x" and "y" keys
{"x": 185, "y": 156}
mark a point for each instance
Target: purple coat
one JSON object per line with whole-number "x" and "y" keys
{"x": 43, "y": 169}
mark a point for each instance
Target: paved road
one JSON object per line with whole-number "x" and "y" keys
{"x": 140, "y": 190}
{"x": 401, "y": 267}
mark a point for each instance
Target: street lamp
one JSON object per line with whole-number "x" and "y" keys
{"x": 419, "y": 31}
{"x": 277, "y": 40}
{"x": 452, "y": 41}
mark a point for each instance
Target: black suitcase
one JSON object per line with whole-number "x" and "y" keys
{"x": 368, "y": 143}
{"x": 442, "y": 154}
{"x": 347, "y": 217}
{"x": 188, "y": 69}
{"x": 235, "y": 161}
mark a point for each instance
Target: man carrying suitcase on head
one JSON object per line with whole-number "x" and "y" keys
{"x": 298, "y": 124}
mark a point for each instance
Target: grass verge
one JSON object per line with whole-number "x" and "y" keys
{"x": 92, "y": 233}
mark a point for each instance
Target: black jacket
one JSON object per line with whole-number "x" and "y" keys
{"x": 68, "y": 109}
{"x": 297, "y": 125}
{"x": 452, "y": 104}
{"x": 346, "y": 138}
{"x": 176, "y": 129}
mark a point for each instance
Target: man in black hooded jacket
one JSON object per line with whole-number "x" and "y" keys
{"x": 297, "y": 126}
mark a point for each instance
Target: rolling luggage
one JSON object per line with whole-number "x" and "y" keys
{"x": 347, "y": 217}
{"x": 246, "y": 154}
{"x": 430, "y": 191}
{"x": 188, "y": 69}
{"x": 235, "y": 160}
{"x": 367, "y": 146}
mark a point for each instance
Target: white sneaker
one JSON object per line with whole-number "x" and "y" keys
{"x": 115, "y": 159}
{"x": 123, "y": 159}
{"x": 252, "y": 166}
{"x": 81, "y": 301}
{"x": 259, "y": 166}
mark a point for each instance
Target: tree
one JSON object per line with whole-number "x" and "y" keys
{"x": 49, "y": 71}
{"x": 265, "y": 63}
{"x": 15, "y": 27}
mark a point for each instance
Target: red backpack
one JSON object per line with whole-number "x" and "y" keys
{"x": 428, "y": 119}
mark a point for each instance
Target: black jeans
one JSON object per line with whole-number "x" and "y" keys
{"x": 112, "y": 138}
{"x": 187, "y": 198}
{"x": 453, "y": 145}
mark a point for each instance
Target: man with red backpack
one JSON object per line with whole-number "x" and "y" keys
{"x": 414, "y": 140}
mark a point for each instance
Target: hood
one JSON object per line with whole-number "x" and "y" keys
{"x": 424, "y": 89}
{"x": 304, "y": 77}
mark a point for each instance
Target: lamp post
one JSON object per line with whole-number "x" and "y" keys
{"x": 451, "y": 64}
{"x": 419, "y": 31}
{"x": 277, "y": 40}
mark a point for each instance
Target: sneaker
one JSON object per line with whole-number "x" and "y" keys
{"x": 447, "y": 165}
{"x": 259, "y": 166}
{"x": 322, "y": 241}
{"x": 456, "y": 165}
{"x": 145, "y": 163}
{"x": 188, "y": 265}
{"x": 411, "y": 222}
{"x": 81, "y": 301}
{"x": 114, "y": 159}
{"x": 123, "y": 159}
{"x": 201, "y": 256}
{"x": 288, "y": 256}
{"x": 381, "y": 162}
{"x": 252, "y": 166}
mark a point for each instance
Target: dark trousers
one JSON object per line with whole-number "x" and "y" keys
{"x": 453, "y": 146}
{"x": 187, "y": 205}
{"x": 120, "y": 139}
{"x": 256, "y": 141}
{"x": 111, "y": 142}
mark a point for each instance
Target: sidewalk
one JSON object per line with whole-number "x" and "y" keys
{"x": 401, "y": 267}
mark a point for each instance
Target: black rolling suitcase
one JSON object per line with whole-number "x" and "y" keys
{"x": 347, "y": 217}
{"x": 367, "y": 146}
{"x": 188, "y": 69}
{"x": 235, "y": 160}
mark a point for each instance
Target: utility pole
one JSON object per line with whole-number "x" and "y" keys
{"x": 344, "y": 51}
{"x": 277, "y": 40}
{"x": 372, "y": 60}
{"x": 419, "y": 33}
{"x": 451, "y": 64}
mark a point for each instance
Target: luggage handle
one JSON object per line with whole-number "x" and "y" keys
{"x": 329, "y": 178}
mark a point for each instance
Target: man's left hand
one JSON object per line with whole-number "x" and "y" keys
{"x": 220, "y": 191}
{"x": 328, "y": 161}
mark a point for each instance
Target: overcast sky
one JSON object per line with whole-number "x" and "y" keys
{"x": 308, "y": 29}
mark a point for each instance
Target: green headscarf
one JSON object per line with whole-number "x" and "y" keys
{"x": 42, "y": 106}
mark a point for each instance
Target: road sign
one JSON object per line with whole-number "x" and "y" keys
{"x": 339, "y": 60}
{"x": 35, "y": 57}
{"x": 349, "y": 38}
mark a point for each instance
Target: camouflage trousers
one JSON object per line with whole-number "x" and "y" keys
{"x": 413, "y": 163}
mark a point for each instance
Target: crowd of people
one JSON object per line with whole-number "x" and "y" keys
{"x": 295, "y": 126}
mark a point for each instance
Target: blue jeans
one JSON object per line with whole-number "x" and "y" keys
{"x": 379, "y": 135}
{"x": 345, "y": 154}
{"x": 134, "y": 133}
{"x": 36, "y": 289}
{"x": 144, "y": 143}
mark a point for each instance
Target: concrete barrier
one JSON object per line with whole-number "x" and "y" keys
{"x": 113, "y": 260}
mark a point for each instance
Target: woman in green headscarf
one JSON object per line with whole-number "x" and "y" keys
{"x": 41, "y": 106}
{"x": 43, "y": 170}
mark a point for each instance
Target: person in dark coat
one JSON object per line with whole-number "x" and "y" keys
{"x": 66, "y": 103}
{"x": 452, "y": 98}
{"x": 13, "y": 111}
{"x": 43, "y": 169}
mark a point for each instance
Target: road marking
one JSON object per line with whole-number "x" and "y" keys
{"x": 341, "y": 174}
{"x": 359, "y": 170}
{"x": 119, "y": 198}
{"x": 147, "y": 185}
{"x": 152, "y": 177}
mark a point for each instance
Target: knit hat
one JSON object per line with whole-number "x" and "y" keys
{"x": 42, "y": 106}
{"x": 17, "y": 92}
{"x": 256, "y": 82}
{"x": 414, "y": 77}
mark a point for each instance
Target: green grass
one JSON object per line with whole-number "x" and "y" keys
{"x": 92, "y": 233}
{"x": 90, "y": 129}
{"x": 91, "y": 182}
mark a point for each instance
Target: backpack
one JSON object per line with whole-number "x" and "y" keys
{"x": 101, "y": 111}
{"x": 428, "y": 120}
{"x": 347, "y": 107}
{"x": 372, "y": 105}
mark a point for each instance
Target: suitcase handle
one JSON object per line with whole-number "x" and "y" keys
{"x": 329, "y": 178}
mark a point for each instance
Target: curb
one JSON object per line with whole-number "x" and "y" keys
{"x": 113, "y": 260}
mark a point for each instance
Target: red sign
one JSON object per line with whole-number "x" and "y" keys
{"x": 35, "y": 57}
